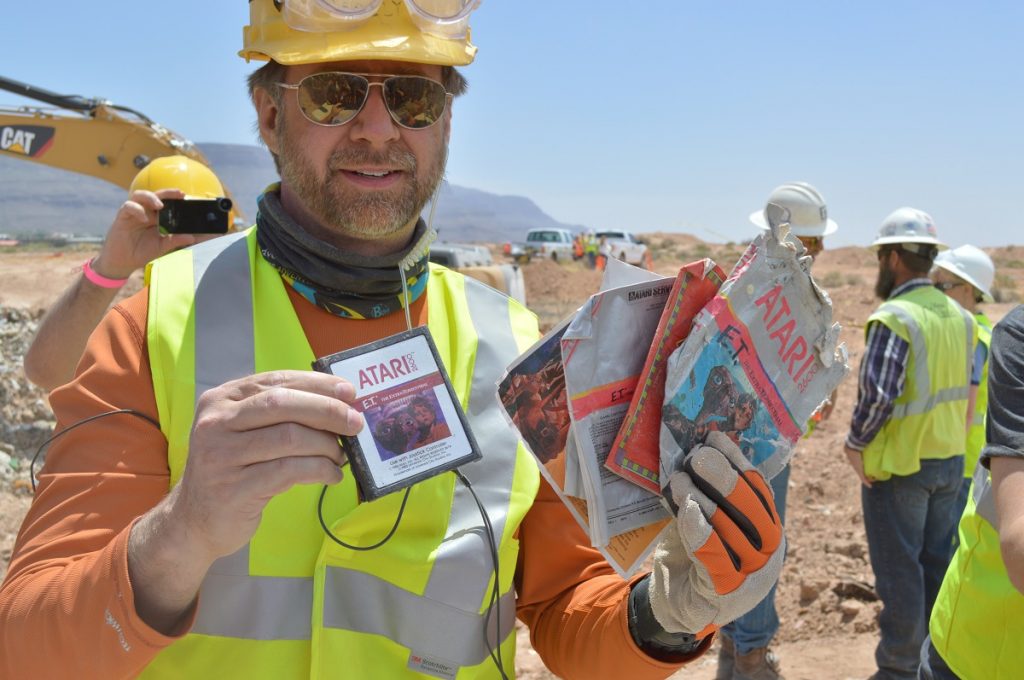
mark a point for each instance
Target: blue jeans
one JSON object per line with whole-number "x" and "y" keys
{"x": 933, "y": 666}
{"x": 910, "y": 523}
{"x": 756, "y": 628}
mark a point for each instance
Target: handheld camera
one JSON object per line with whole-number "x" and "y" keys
{"x": 195, "y": 216}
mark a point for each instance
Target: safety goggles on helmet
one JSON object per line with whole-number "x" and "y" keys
{"x": 443, "y": 18}
{"x": 334, "y": 98}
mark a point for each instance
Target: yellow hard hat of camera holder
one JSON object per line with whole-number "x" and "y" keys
{"x": 185, "y": 174}
{"x": 191, "y": 177}
{"x": 389, "y": 34}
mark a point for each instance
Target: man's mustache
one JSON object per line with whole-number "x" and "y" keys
{"x": 395, "y": 157}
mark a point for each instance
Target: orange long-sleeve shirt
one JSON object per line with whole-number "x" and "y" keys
{"x": 67, "y": 607}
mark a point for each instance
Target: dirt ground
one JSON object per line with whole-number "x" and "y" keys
{"x": 33, "y": 279}
{"x": 826, "y": 598}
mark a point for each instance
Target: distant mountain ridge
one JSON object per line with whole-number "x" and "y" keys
{"x": 39, "y": 199}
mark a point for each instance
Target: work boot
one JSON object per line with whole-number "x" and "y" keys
{"x": 726, "y": 658}
{"x": 757, "y": 664}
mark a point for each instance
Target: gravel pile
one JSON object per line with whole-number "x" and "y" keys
{"x": 25, "y": 418}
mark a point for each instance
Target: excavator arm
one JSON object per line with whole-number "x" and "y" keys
{"x": 89, "y": 136}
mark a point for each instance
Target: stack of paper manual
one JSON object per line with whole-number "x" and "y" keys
{"x": 568, "y": 395}
{"x": 616, "y": 390}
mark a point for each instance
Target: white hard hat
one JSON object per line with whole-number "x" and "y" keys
{"x": 808, "y": 215}
{"x": 908, "y": 225}
{"x": 972, "y": 265}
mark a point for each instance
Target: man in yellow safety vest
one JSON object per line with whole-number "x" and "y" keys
{"x": 906, "y": 439}
{"x": 206, "y": 529}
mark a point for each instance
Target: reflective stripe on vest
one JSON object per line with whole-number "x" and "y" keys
{"x": 984, "y": 499}
{"x": 223, "y": 298}
{"x": 353, "y": 602}
{"x": 926, "y": 401}
{"x": 237, "y": 604}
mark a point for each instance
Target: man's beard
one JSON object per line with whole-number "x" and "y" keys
{"x": 885, "y": 283}
{"x": 361, "y": 214}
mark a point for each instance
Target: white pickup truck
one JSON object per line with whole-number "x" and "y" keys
{"x": 623, "y": 245}
{"x": 555, "y": 244}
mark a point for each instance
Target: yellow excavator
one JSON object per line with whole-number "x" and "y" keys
{"x": 89, "y": 136}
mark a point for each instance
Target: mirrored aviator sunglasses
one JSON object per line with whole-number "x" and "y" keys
{"x": 334, "y": 98}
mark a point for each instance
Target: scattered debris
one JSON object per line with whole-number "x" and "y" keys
{"x": 25, "y": 418}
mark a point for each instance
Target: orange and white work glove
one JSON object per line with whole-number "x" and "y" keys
{"x": 725, "y": 552}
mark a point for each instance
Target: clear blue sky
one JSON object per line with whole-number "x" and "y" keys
{"x": 671, "y": 114}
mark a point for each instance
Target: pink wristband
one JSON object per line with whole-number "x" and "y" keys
{"x": 93, "y": 277}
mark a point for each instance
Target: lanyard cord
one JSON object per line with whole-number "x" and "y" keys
{"x": 69, "y": 428}
{"x": 495, "y": 599}
{"x": 405, "y": 299}
{"x": 343, "y": 544}
{"x": 417, "y": 253}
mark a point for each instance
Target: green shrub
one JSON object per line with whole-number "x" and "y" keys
{"x": 832, "y": 279}
{"x": 1005, "y": 281}
{"x": 1004, "y": 289}
{"x": 700, "y": 250}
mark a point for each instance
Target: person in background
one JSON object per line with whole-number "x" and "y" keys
{"x": 744, "y": 652}
{"x": 604, "y": 252}
{"x": 577, "y": 246}
{"x": 132, "y": 241}
{"x": 976, "y": 631}
{"x": 590, "y": 249}
{"x": 906, "y": 440}
{"x": 966, "y": 275}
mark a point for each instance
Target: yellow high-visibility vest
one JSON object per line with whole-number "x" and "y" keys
{"x": 292, "y": 603}
{"x": 977, "y": 623}
{"x": 929, "y": 418}
{"x": 976, "y": 435}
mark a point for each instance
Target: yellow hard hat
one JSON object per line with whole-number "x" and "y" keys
{"x": 178, "y": 172}
{"x": 421, "y": 31}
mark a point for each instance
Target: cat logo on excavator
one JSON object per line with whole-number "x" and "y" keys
{"x": 26, "y": 140}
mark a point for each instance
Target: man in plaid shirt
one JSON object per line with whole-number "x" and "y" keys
{"x": 908, "y": 434}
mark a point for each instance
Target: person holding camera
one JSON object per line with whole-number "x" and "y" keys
{"x": 132, "y": 241}
{"x": 184, "y": 540}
